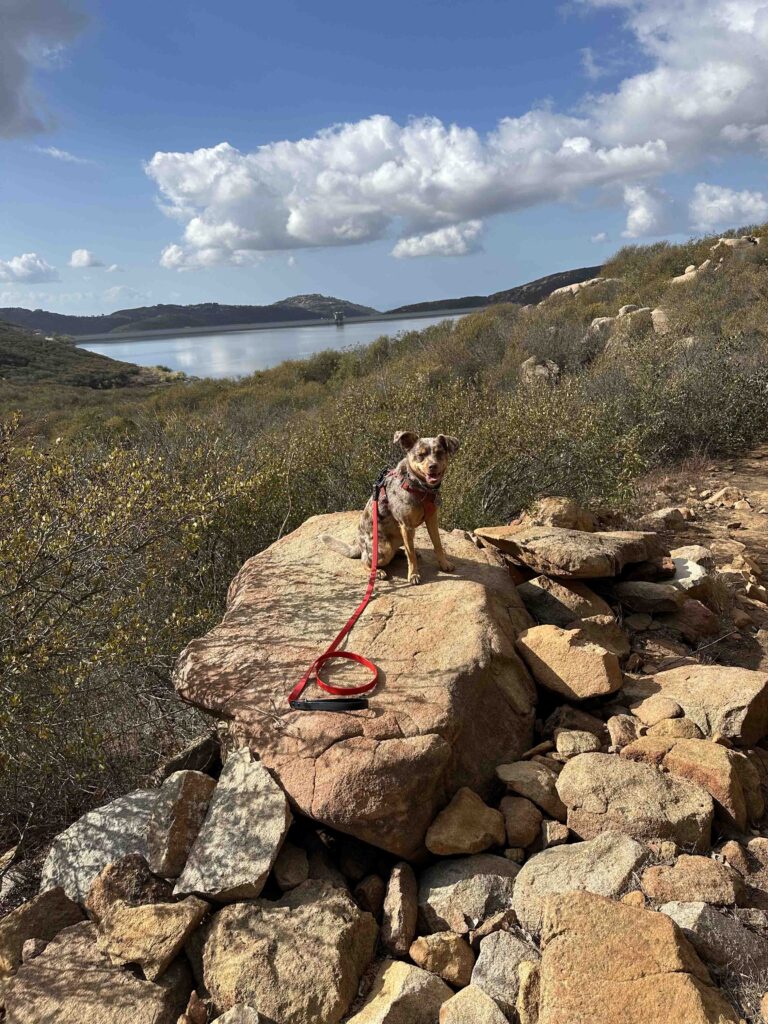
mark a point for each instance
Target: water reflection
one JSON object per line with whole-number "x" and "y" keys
{"x": 235, "y": 354}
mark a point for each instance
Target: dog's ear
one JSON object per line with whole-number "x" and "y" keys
{"x": 451, "y": 443}
{"x": 406, "y": 438}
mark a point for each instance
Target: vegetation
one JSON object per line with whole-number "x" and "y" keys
{"x": 123, "y": 518}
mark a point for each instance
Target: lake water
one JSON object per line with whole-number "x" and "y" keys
{"x": 238, "y": 353}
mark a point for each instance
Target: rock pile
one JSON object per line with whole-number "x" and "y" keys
{"x": 551, "y": 811}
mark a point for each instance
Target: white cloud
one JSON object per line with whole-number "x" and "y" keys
{"x": 291, "y": 261}
{"x": 455, "y": 240}
{"x": 28, "y": 268}
{"x": 704, "y": 92}
{"x": 62, "y": 154}
{"x": 601, "y": 236}
{"x": 82, "y": 258}
{"x": 714, "y": 206}
{"x": 123, "y": 293}
{"x": 33, "y": 34}
{"x": 114, "y": 268}
{"x": 650, "y": 211}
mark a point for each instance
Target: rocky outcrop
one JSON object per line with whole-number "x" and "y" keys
{"x": 41, "y": 918}
{"x": 572, "y": 553}
{"x": 445, "y": 714}
{"x": 297, "y": 959}
{"x": 151, "y": 935}
{"x": 566, "y": 662}
{"x": 559, "y": 602}
{"x": 176, "y": 819}
{"x": 403, "y": 994}
{"x": 595, "y": 969}
{"x": 609, "y": 794}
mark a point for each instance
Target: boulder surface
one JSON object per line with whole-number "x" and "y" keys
{"x": 453, "y": 701}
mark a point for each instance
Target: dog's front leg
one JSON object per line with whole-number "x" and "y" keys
{"x": 410, "y": 552}
{"x": 437, "y": 544}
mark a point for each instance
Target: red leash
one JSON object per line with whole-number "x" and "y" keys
{"x": 353, "y": 702}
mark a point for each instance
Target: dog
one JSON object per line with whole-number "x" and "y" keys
{"x": 409, "y": 496}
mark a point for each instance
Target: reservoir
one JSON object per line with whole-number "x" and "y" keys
{"x": 236, "y": 353}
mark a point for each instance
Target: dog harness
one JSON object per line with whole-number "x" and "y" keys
{"x": 427, "y": 496}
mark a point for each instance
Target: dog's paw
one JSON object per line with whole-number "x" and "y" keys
{"x": 414, "y": 579}
{"x": 447, "y": 566}
{"x": 382, "y": 574}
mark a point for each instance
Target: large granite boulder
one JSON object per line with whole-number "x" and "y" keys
{"x": 453, "y": 701}
{"x": 460, "y": 894}
{"x": 297, "y": 959}
{"x": 731, "y": 701}
{"x": 607, "y": 793}
{"x": 572, "y": 553}
{"x": 608, "y": 963}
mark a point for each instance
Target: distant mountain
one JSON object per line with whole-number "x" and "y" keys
{"x": 522, "y": 294}
{"x": 326, "y": 305}
{"x": 165, "y": 317}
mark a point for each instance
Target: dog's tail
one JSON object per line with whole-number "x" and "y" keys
{"x": 348, "y": 550}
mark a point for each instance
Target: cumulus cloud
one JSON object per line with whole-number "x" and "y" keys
{"x": 650, "y": 211}
{"x": 114, "y": 268}
{"x": 601, "y": 236}
{"x": 714, "y": 206}
{"x": 33, "y": 34}
{"x": 28, "y": 268}
{"x": 123, "y": 293}
{"x": 455, "y": 240}
{"x": 82, "y": 258}
{"x": 704, "y": 92}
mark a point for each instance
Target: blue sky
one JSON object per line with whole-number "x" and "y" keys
{"x": 234, "y": 152}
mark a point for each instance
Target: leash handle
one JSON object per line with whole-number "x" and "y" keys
{"x": 332, "y": 651}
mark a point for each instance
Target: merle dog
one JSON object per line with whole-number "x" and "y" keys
{"x": 409, "y": 496}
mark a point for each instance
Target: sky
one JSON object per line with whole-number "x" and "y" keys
{"x": 239, "y": 152}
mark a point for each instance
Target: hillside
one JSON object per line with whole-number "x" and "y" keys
{"x": 169, "y": 316}
{"x": 27, "y": 358}
{"x": 326, "y": 305}
{"x": 523, "y": 294}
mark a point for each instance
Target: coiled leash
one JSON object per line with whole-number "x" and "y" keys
{"x": 350, "y": 700}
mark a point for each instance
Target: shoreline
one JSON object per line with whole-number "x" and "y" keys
{"x": 167, "y": 332}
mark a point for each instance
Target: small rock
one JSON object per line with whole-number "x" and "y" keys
{"x": 650, "y": 598}
{"x": 718, "y": 938}
{"x": 639, "y": 621}
{"x": 648, "y": 749}
{"x": 241, "y": 1014}
{"x": 291, "y": 867}
{"x": 693, "y": 621}
{"x": 370, "y": 893}
{"x": 570, "y": 742}
{"x": 398, "y": 924}
{"x": 466, "y": 825}
{"x": 735, "y": 855}
{"x": 445, "y": 954}
{"x": 459, "y": 894}
{"x": 696, "y": 553}
{"x": 31, "y": 949}
{"x": 676, "y": 728}
{"x": 553, "y": 833}
{"x": 496, "y": 969}
{"x": 197, "y": 1013}
{"x": 504, "y": 921}
{"x": 522, "y": 819}
{"x": 559, "y": 602}
{"x": 537, "y": 783}
{"x": 176, "y": 819}
{"x": 567, "y": 717}
{"x": 151, "y": 935}
{"x": 566, "y": 662}
{"x": 402, "y": 993}
{"x": 528, "y": 993}
{"x": 657, "y": 708}
{"x": 247, "y": 820}
{"x": 693, "y": 879}
{"x": 127, "y": 880}
{"x": 515, "y": 854}
{"x": 622, "y": 729}
{"x": 470, "y": 1006}
{"x": 633, "y": 899}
